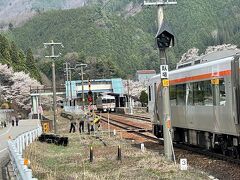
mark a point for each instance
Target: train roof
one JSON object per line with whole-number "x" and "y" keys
{"x": 208, "y": 58}
{"x": 211, "y": 59}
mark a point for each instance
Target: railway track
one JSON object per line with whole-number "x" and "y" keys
{"x": 140, "y": 132}
{"x": 141, "y": 118}
{"x": 130, "y": 128}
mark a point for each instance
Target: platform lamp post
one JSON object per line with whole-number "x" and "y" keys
{"x": 81, "y": 66}
{"x": 53, "y": 56}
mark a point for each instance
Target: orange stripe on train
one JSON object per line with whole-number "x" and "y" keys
{"x": 199, "y": 77}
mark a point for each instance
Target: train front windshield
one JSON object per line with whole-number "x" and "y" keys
{"x": 108, "y": 101}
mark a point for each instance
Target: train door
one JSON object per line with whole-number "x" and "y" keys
{"x": 235, "y": 89}
{"x": 189, "y": 103}
{"x": 179, "y": 119}
{"x": 157, "y": 124}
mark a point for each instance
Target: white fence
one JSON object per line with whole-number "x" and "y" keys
{"x": 16, "y": 147}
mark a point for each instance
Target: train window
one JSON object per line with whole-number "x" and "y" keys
{"x": 173, "y": 95}
{"x": 202, "y": 93}
{"x": 222, "y": 92}
{"x": 198, "y": 93}
{"x": 189, "y": 94}
{"x": 208, "y": 96}
{"x": 181, "y": 94}
{"x": 104, "y": 101}
{"x": 149, "y": 93}
{"x": 197, "y": 62}
{"x": 112, "y": 100}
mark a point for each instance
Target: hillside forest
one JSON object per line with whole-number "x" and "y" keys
{"x": 116, "y": 38}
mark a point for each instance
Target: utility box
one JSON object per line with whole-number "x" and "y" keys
{"x": 47, "y": 125}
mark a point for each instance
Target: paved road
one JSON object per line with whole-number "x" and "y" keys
{"x": 24, "y": 126}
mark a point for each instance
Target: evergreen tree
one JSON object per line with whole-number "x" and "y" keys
{"x": 31, "y": 67}
{"x": 22, "y": 61}
{"x": 143, "y": 98}
{"x": 30, "y": 60}
{"x": 7, "y": 57}
{"x": 14, "y": 56}
{"x": 4, "y": 45}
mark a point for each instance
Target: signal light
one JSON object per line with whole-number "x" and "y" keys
{"x": 164, "y": 36}
{"x": 90, "y": 99}
{"x": 90, "y": 94}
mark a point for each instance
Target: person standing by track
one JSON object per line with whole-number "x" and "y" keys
{"x": 73, "y": 124}
{"x": 81, "y": 123}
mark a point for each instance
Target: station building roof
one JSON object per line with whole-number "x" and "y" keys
{"x": 114, "y": 85}
{"x": 146, "y": 72}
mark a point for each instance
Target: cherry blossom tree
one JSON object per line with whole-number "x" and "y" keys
{"x": 15, "y": 86}
{"x": 192, "y": 53}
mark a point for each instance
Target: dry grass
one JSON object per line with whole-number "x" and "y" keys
{"x": 49, "y": 161}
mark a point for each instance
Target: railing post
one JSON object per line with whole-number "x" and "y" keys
{"x": 34, "y": 135}
{"x": 20, "y": 144}
{"x": 23, "y": 142}
{"x": 28, "y": 173}
{"x": 27, "y": 139}
{"x": 17, "y": 144}
{"x": 30, "y": 137}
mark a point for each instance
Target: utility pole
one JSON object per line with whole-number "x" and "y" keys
{"x": 82, "y": 65}
{"x": 52, "y": 56}
{"x": 70, "y": 74}
{"x": 166, "y": 118}
{"x": 66, "y": 70}
{"x": 83, "y": 99}
{"x": 129, "y": 100}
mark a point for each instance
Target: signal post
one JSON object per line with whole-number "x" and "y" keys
{"x": 165, "y": 39}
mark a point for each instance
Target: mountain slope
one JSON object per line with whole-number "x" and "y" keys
{"x": 122, "y": 32}
{"x": 18, "y": 12}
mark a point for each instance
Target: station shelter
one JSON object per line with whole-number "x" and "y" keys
{"x": 112, "y": 87}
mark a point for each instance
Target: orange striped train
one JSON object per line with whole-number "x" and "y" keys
{"x": 205, "y": 102}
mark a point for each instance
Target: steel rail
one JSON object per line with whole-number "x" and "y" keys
{"x": 137, "y": 130}
{"x": 147, "y": 119}
{"x": 180, "y": 146}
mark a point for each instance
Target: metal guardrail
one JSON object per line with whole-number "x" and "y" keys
{"x": 16, "y": 147}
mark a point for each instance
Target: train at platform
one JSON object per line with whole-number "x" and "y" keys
{"x": 204, "y": 101}
{"x": 106, "y": 103}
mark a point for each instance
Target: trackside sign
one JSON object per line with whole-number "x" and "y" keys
{"x": 164, "y": 71}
